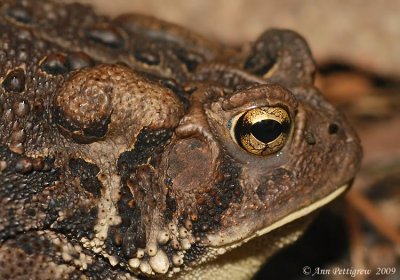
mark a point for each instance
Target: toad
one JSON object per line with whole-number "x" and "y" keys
{"x": 132, "y": 148}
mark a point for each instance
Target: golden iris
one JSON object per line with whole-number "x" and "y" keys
{"x": 263, "y": 130}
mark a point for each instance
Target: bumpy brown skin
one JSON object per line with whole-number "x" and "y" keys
{"x": 116, "y": 156}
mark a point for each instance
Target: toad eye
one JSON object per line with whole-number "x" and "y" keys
{"x": 261, "y": 131}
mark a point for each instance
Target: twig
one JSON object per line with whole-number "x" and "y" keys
{"x": 369, "y": 211}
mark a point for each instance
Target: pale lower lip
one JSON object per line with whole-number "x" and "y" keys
{"x": 303, "y": 211}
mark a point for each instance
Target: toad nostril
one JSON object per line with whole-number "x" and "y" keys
{"x": 333, "y": 128}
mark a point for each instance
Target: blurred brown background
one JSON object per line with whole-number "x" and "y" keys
{"x": 356, "y": 44}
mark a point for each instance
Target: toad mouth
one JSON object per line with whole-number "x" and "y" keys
{"x": 302, "y": 212}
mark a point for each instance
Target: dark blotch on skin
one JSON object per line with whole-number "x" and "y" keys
{"x": 33, "y": 243}
{"x": 190, "y": 59}
{"x": 194, "y": 253}
{"x": 42, "y": 248}
{"x": 79, "y": 224}
{"x": 213, "y": 203}
{"x": 13, "y": 181}
{"x": 82, "y": 133}
{"x": 15, "y": 81}
{"x": 134, "y": 238}
{"x": 78, "y": 60}
{"x": 127, "y": 237}
{"x": 55, "y": 64}
{"x": 19, "y": 13}
{"x": 173, "y": 85}
{"x": 19, "y": 187}
{"x": 87, "y": 172}
{"x": 259, "y": 64}
{"x": 147, "y": 57}
{"x": 148, "y": 144}
{"x": 106, "y": 35}
{"x": 171, "y": 207}
{"x": 101, "y": 269}
{"x": 130, "y": 234}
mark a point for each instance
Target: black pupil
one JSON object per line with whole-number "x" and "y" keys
{"x": 266, "y": 130}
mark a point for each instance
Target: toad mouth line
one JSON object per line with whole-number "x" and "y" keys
{"x": 295, "y": 215}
